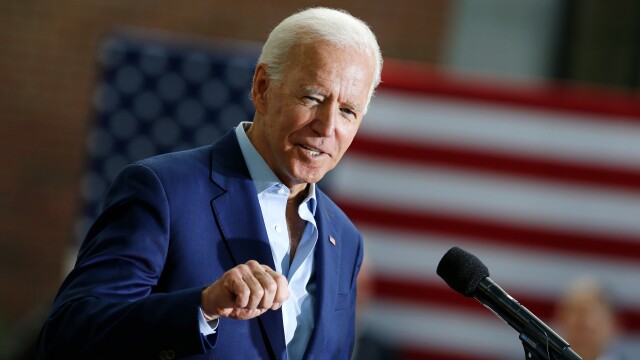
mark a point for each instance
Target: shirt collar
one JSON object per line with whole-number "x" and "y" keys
{"x": 261, "y": 174}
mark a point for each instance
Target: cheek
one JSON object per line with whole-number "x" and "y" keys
{"x": 345, "y": 137}
{"x": 294, "y": 112}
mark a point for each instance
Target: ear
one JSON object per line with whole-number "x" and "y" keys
{"x": 261, "y": 83}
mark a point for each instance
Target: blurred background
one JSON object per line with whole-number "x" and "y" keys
{"x": 510, "y": 128}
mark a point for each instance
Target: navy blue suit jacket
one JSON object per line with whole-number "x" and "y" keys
{"x": 171, "y": 225}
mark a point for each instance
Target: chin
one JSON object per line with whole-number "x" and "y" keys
{"x": 310, "y": 177}
{"x": 309, "y": 174}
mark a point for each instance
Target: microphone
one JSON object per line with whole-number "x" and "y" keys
{"x": 466, "y": 274}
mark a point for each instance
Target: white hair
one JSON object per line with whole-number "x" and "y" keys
{"x": 332, "y": 25}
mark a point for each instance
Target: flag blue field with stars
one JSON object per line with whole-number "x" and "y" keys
{"x": 157, "y": 94}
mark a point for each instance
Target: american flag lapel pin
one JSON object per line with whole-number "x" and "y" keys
{"x": 332, "y": 240}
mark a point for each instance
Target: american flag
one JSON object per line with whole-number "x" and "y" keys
{"x": 542, "y": 184}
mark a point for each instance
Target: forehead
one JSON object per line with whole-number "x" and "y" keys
{"x": 324, "y": 64}
{"x": 587, "y": 298}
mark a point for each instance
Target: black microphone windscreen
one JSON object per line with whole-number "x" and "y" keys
{"x": 462, "y": 271}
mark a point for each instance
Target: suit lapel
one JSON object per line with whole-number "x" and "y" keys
{"x": 237, "y": 212}
{"x": 327, "y": 260}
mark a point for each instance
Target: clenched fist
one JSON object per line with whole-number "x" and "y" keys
{"x": 244, "y": 292}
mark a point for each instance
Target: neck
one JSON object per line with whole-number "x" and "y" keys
{"x": 298, "y": 193}
{"x": 255, "y": 137}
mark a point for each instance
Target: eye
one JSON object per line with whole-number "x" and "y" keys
{"x": 312, "y": 99}
{"x": 348, "y": 112}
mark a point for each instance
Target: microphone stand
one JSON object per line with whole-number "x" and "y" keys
{"x": 534, "y": 351}
{"x": 535, "y": 335}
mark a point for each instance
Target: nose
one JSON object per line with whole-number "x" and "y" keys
{"x": 324, "y": 122}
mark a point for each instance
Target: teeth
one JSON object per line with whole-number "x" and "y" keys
{"x": 313, "y": 152}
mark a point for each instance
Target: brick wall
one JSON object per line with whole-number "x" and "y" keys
{"x": 47, "y": 73}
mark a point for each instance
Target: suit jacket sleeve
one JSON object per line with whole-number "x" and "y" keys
{"x": 106, "y": 306}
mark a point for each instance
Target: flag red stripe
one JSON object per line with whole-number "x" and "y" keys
{"x": 424, "y": 293}
{"x": 414, "y": 77}
{"x": 403, "y": 151}
{"x": 493, "y": 231}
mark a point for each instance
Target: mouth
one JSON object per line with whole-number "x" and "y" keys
{"x": 312, "y": 151}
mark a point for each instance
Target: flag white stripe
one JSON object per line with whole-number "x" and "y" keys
{"x": 510, "y": 129}
{"x": 536, "y": 203}
{"x": 442, "y": 329}
{"x": 536, "y": 274}
{"x": 447, "y": 330}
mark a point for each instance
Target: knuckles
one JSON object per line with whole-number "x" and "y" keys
{"x": 272, "y": 287}
{"x": 258, "y": 293}
{"x": 254, "y": 283}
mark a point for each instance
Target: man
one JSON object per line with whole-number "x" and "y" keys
{"x": 587, "y": 319}
{"x": 230, "y": 251}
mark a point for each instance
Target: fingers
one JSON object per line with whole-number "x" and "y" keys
{"x": 282, "y": 287}
{"x": 246, "y": 291}
{"x": 235, "y": 282}
{"x": 262, "y": 287}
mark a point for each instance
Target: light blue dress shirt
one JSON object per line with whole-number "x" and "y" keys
{"x": 297, "y": 311}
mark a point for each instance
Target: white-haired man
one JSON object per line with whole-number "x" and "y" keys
{"x": 230, "y": 251}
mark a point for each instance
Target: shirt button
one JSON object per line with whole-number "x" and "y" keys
{"x": 277, "y": 227}
{"x": 281, "y": 191}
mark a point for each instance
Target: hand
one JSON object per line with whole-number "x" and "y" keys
{"x": 244, "y": 292}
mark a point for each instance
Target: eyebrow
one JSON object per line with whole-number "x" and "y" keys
{"x": 315, "y": 91}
